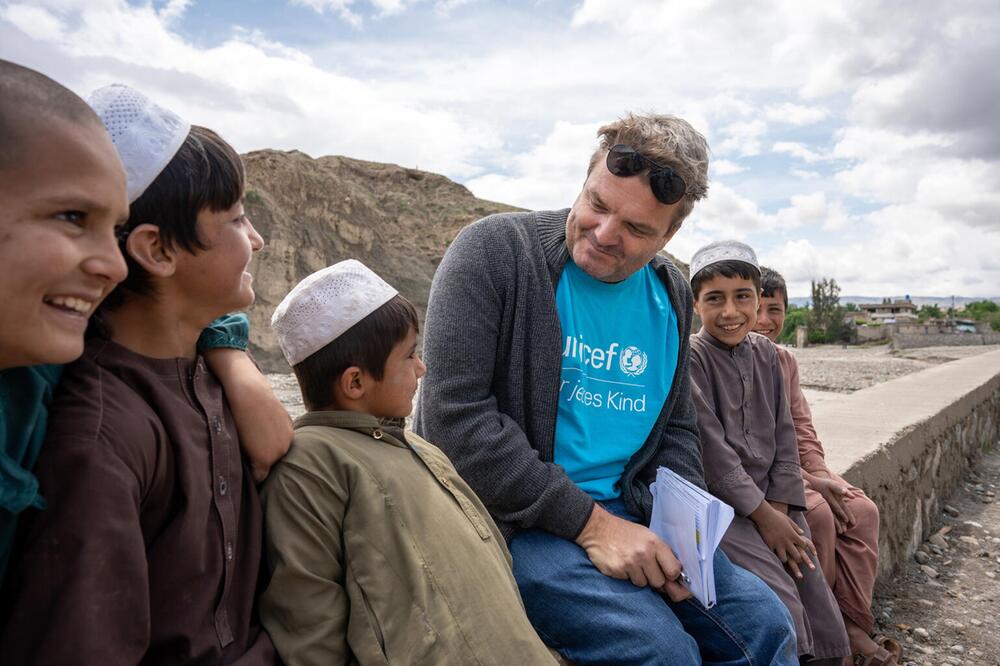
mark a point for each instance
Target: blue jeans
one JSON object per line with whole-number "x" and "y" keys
{"x": 591, "y": 618}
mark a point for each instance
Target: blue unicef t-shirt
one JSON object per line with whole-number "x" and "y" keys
{"x": 620, "y": 346}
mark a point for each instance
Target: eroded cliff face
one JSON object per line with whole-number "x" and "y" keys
{"x": 315, "y": 212}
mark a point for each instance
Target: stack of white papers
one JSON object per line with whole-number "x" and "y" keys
{"x": 692, "y": 522}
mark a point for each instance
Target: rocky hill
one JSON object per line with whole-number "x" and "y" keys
{"x": 314, "y": 212}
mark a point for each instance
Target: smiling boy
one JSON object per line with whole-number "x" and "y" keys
{"x": 62, "y": 194}
{"x": 380, "y": 552}
{"x": 748, "y": 440}
{"x": 149, "y": 550}
{"x": 844, "y": 522}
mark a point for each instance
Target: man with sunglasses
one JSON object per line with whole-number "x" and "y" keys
{"x": 557, "y": 351}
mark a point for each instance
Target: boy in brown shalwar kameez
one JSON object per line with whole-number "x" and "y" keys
{"x": 749, "y": 447}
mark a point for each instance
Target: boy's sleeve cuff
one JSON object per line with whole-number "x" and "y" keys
{"x": 231, "y": 331}
{"x": 737, "y": 489}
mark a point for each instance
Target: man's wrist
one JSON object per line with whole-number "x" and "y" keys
{"x": 597, "y": 517}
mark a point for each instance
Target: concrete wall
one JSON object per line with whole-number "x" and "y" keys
{"x": 872, "y": 333}
{"x": 912, "y": 340}
{"x": 907, "y": 441}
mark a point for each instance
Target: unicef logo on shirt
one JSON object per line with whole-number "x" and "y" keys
{"x": 633, "y": 361}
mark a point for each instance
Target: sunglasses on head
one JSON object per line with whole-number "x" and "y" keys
{"x": 667, "y": 186}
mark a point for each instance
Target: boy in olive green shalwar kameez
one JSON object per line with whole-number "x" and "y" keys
{"x": 379, "y": 551}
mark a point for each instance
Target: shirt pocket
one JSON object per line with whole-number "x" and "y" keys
{"x": 386, "y": 624}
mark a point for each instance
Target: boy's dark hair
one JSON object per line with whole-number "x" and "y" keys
{"x": 367, "y": 345}
{"x": 205, "y": 173}
{"x": 729, "y": 268}
{"x": 771, "y": 283}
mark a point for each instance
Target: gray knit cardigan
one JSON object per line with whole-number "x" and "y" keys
{"x": 493, "y": 348}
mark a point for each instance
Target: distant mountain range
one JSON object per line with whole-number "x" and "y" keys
{"x": 944, "y": 302}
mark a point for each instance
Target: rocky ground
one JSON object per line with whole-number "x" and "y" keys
{"x": 848, "y": 369}
{"x": 287, "y": 390}
{"x": 943, "y": 606}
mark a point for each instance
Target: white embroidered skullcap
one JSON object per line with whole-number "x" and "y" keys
{"x": 146, "y": 135}
{"x": 726, "y": 250}
{"x": 324, "y": 305}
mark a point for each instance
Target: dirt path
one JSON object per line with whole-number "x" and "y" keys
{"x": 944, "y": 605}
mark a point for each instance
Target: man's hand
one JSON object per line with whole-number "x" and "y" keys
{"x": 624, "y": 550}
{"x": 784, "y": 538}
{"x": 836, "y": 495}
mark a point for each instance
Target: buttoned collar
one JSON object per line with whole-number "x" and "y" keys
{"x": 387, "y": 430}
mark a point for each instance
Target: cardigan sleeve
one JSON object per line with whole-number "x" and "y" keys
{"x": 458, "y": 410}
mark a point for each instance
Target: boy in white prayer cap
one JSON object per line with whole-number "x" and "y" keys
{"x": 150, "y": 548}
{"x": 749, "y": 446}
{"x": 379, "y": 551}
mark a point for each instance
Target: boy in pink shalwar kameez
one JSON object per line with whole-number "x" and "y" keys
{"x": 843, "y": 520}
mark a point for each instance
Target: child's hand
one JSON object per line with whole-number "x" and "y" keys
{"x": 836, "y": 495}
{"x": 262, "y": 423}
{"x": 784, "y": 538}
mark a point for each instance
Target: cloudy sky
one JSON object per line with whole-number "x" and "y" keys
{"x": 853, "y": 140}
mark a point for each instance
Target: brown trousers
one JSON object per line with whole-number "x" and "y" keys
{"x": 849, "y": 560}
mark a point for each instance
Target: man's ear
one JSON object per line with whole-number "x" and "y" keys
{"x": 352, "y": 383}
{"x": 146, "y": 247}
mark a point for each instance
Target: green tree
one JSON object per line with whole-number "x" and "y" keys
{"x": 795, "y": 317}
{"x": 984, "y": 311}
{"x": 826, "y": 318}
{"x": 977, "y": 309}
{"x": 926, "y": 312}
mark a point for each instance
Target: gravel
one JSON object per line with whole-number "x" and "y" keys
{"x": 956, "y": 613}
{"x": 848, "y": 369}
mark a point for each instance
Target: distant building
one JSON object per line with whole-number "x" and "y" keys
{"x": 889, "y": 312}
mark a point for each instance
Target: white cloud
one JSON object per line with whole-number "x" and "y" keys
{"x": 549, "y": 176}
{"x": 258, "y": 92}
{"x": 174, "y": 9}
{"x": 36, "y": 22}
{"x": 795, "y": 114}
{"x": 798, "y": 150}
{"x": 726, "y": 167}
{"x": 853, "y": 139}
{"x": 741, "y": 138}
{"x": 340, "y": 7}
{"x": 727, "y": 214}
{"x": 798, "y": 261}
{"x": 804, "y": 174}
